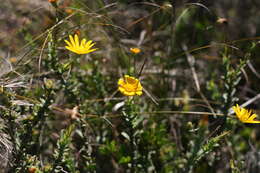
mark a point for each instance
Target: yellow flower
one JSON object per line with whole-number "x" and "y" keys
{"x": 245, "y": 115}
{"x": 135, "y": 50}
{"x": 52, "y": 1}
{"x": 82, "y": 48}
{"x": 69, "y": 11}
{"x": 130, "y": 86}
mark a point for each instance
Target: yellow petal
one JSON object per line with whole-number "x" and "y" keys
{"x": 235, "y": 110}
{"x": 68, "y": 43}
{"x": 244, "y": 115}
{"x": 72, "y": 41}
{"x": 91, "y": 50}
{"x": 91, "y": 45}
{"x": 121, "y": 89}
{"x": 135, "y": 50}
{"x": 81, "y": 51}
{"x": 129, "y": 93}
{"x": 139, "y": 93}
{"x": 88, "y": 43}
{"x": 253, "y": 122}
{"x": 120, "y": 82}
{"x": 83, "y": 42}
{"x": 129, "y": 86}
{"x": 243, "y": 112}
{"x": 76, "y": 38}
{"x": 252, "y": 117}
{"x": 238, "y": 108}
{"x": 70, "y": 48}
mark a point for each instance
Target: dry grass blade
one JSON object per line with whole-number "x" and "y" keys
{"x": 191, "y": 61}
{"x": 200, "y": 5}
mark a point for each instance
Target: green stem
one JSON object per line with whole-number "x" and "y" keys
{"x": 129, "y": 122}
{"x": 133, "y": 149}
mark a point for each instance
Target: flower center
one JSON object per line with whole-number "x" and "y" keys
{"x": 131, "y": 84}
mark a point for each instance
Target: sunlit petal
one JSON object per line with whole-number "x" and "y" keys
{"x": 88, "y": 43}
{"x": 135, "y": 50}
{"x": 91, "y": 45}
{"x": 245, "y": 115}
{"x": 253, "y": 122}
{"x": 70, "y": 48}
{"x": 252, "y": 117}
{"x": 76, "y": 39}
{"x": 72, "y": 41}
{"x": 91, "y": 50}
{"x": 68, "y": 43}
{"x": 129, "y": 86}
{"x": 79, "y": 47}
{"x": 83, "y": 42}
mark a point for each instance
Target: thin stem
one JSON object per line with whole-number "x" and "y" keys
{"x": 133, "y": 149}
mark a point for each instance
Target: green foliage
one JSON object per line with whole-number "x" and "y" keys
{"x": 208, "y": 147}
{"x": 63, "y": 160}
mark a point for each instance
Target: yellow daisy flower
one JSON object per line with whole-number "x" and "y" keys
{"x": 78, "y": 47}
{"x": 245, "y": 115}
{"x": 135, "y": 50}
{"x": 130, "y": 86}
